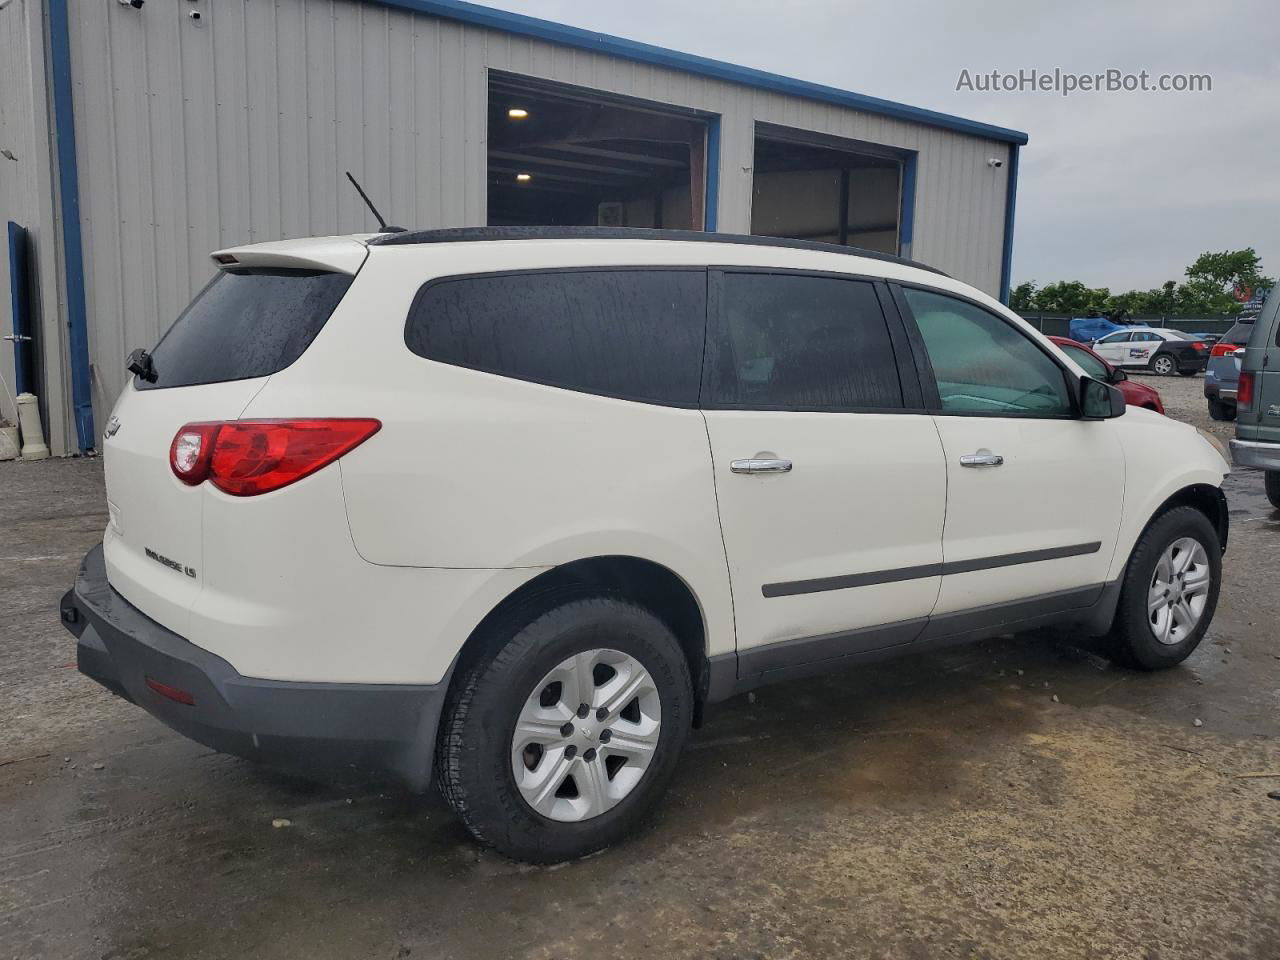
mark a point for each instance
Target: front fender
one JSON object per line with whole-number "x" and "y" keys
{"x": 1165, "y": 460}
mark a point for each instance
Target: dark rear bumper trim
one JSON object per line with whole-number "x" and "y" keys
{"x": 308, "y": 727}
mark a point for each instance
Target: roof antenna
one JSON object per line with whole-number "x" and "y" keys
{"x": 369, "y": 203}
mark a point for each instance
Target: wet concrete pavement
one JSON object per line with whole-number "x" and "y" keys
{"x": 1020, "y": 798}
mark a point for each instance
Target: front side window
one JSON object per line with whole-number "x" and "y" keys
{"x": 1122, "y": 337}
{"x": 797, "y": 342}
{"x": 983, "y": 364}
{"x": 1087, "y": 362}
{"x": 633, "y": 334}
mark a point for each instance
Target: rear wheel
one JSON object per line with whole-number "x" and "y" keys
{"x": 1272, "y": 480}
{"x": 1169, "y": 592}
{"x": 562, "y": 741}
{"x": 1163, "y": 364}
{"x": 1221, "y": 411}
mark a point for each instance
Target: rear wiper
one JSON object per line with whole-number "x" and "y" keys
{"x": 139, "y": 362}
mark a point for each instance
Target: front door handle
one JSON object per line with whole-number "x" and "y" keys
{"x": 983, "y": 458}
{"x": 760, "y": 466}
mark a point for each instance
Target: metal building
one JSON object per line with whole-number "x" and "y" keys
{"x": 136, "y": 139}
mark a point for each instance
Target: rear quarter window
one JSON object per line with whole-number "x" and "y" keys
{"x": 245, "y": 324}
{"x": 631, "y": 334}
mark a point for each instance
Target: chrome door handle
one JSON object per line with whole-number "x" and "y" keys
{"x": 981, "y": 460}
{"x": 760, "y": 466}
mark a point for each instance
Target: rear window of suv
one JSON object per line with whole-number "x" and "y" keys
{"x": 1239, "y": 334}
{"x": 632, "y": 334}
{"x": 245, "y": 324}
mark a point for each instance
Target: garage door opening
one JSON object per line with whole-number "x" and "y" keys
{"x": 564, "y": 156}
{"x": 809, "y": 191}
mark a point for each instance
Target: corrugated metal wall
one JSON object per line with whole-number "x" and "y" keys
{"x": 236, "y": 128}
{"x": 27, "y": 198}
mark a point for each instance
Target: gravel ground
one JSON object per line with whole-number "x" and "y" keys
{"x": 1020, "y": 798}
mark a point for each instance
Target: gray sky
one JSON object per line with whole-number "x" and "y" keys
{"x": 1116, "y": 189}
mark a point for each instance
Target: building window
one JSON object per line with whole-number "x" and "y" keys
{"x": 808, "y": 191}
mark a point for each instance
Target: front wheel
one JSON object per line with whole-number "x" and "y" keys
{"x": 1169, "y": 592}
{"x": 1162, "y": 364}
{"x": 1272, "y": 480}
{"x": 562, "y": 741}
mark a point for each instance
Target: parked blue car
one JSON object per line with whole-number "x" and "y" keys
{"x": 1222, "y": 376}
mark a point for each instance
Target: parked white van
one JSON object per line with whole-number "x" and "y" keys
{"x": 513, "y": 504}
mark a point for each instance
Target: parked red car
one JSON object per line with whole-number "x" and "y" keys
{"x": 1135, "y": 394}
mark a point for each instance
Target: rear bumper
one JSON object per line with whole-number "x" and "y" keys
{"x": 307, "y": 727}
{"x": 1252, "y": 453}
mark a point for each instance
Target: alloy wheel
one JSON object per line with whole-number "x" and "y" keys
{"x": 1179, "y": 591}
{"x": 586, "y": 735}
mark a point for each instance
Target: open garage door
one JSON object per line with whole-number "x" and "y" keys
{"x": 807, "y": 190}
{"x": 566, "y": 156}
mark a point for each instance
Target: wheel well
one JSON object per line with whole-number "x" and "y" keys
{"x": 1206, "y": 498}
{"x": 648, "y": 584}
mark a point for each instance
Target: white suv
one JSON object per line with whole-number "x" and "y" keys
{"x": 514, "y": 504}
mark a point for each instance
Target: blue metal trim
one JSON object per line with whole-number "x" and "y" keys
{"x": 72, "y": 248}
{"x": 711, "y": 217}
{"x": 907, "y": 216}
{"x": 1011, "y": 197}
{"x": 648, "y": 53}
{"x": 20, "y": 312}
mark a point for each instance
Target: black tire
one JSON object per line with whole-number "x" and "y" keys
{"x": 1163, "y": 364}
{"x": 473, "y": 759}
{"x": 1272, "y": 481}
{"x": 1221, "y": 411}
{"x": 1131, "y": 638}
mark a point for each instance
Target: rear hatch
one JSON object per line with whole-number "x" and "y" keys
{"x": 252, "y": 320}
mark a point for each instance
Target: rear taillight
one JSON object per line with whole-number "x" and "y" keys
{"x": 1198, "y": 345}
{"x": 1222, "y": 349}
{"x": 1244, "y": 390}
{"x": 248, "y": 457}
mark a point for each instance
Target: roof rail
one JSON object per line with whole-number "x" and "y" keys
{"x": 470, "y": 234}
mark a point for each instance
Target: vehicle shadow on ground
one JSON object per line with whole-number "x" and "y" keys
{"x": 898, "y": 736}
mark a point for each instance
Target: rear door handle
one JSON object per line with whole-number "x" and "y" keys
{"x": 760, "y": 466}
{"x": 984, "y": 458}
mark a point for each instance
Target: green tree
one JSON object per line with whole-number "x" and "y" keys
{"x": 1022, "y": 298}
{"x": 1229, "y": 270}
{"x": 1071, "y": 297}
{"x": 1207, "y": 291}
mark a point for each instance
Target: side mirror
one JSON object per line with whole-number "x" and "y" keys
{"x": 1118, "y": 376}
{"x": 1100, "y": 401}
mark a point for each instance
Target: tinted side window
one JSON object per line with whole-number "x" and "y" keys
{"x": 250, "y": 323}
{"x": 635, "y": 334}
{"x": 786, "y": 341}
{"x": 1117, "y": 337}
{"x": 983, "y": 364}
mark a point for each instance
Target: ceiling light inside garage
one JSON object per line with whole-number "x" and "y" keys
{"x": 524, "y": 177}
{"x": 517, "y": 113}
